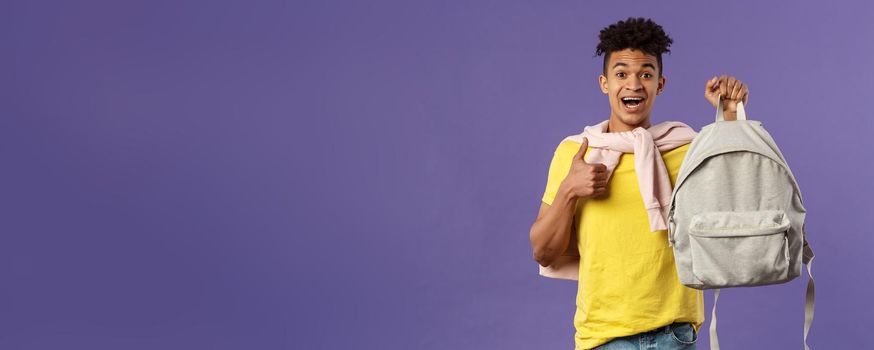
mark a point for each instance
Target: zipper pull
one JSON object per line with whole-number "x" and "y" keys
{"x": 786, "y": 246}
{"x": 671, "y": 228}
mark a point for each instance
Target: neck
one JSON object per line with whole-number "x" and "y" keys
{"x": 616, "y": 125}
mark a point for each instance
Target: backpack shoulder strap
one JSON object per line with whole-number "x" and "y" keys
{"x": 809, "y": 294}
{"x": 809, "y": 297}
{"x": 714, "y": 340}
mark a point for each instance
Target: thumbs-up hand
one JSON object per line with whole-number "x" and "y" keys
{"x": 585, "y": 180}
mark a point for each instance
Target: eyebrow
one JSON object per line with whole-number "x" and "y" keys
{"x": 650, "y": 65}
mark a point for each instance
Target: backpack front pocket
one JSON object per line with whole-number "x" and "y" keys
{"x": 740, "y": 248}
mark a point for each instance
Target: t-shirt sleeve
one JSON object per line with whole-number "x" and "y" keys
{"x": 558, "y": 168}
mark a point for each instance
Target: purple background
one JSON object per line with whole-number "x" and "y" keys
{"x": 363, "y": 174}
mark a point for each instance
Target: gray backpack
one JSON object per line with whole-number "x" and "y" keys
{"x": 736, "y": 216}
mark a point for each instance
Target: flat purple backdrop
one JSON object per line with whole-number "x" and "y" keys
{"x": 363, "y": 174}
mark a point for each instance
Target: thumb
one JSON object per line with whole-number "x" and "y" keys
{"x": 584, "y": 146}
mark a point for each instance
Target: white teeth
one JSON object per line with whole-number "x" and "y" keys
{"x": 632, "y": 102}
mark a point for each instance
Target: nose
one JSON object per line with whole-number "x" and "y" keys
{"x": 633, "y": 84}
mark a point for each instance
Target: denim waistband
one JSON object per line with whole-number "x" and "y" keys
{"x": 666, "y": 329}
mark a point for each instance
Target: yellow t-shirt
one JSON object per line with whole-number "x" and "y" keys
{"x": 628, "y": 281}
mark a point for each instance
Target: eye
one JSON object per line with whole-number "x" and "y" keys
{"x": 647, "y": 75}
{"x": 620, "y": 74}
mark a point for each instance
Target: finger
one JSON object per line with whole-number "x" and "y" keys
{"x": 716, "y": 90}
{"x": 600, "y": 175}
{"x": 581, "y": 153}
{"x": 729, "y": 84}
{"x": 735, "y": 90}
{"x": 601, "y": 184}
{"x": 722, "y": 86}
{"x": 599, "y": 168}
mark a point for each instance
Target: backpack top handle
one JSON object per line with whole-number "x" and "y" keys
{"x": 741, "y": 112}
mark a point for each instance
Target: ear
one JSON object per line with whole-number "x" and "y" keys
{"x": 602, "y": 82}
{"x": 661, "y": 87}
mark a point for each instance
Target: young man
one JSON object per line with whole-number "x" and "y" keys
{"x": 607, "y": 198}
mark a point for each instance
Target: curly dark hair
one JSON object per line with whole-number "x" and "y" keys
{"x": 634, "y": 33}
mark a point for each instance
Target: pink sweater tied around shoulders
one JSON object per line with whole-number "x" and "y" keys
{"x": 646, "y": 144}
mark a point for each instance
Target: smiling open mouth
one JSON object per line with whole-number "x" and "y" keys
{"x": 632, "y": 102}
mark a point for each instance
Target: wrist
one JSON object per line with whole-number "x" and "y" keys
{"x": 565, "y": 194}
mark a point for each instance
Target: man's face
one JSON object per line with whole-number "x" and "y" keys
{"x": 632, "y": 83}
